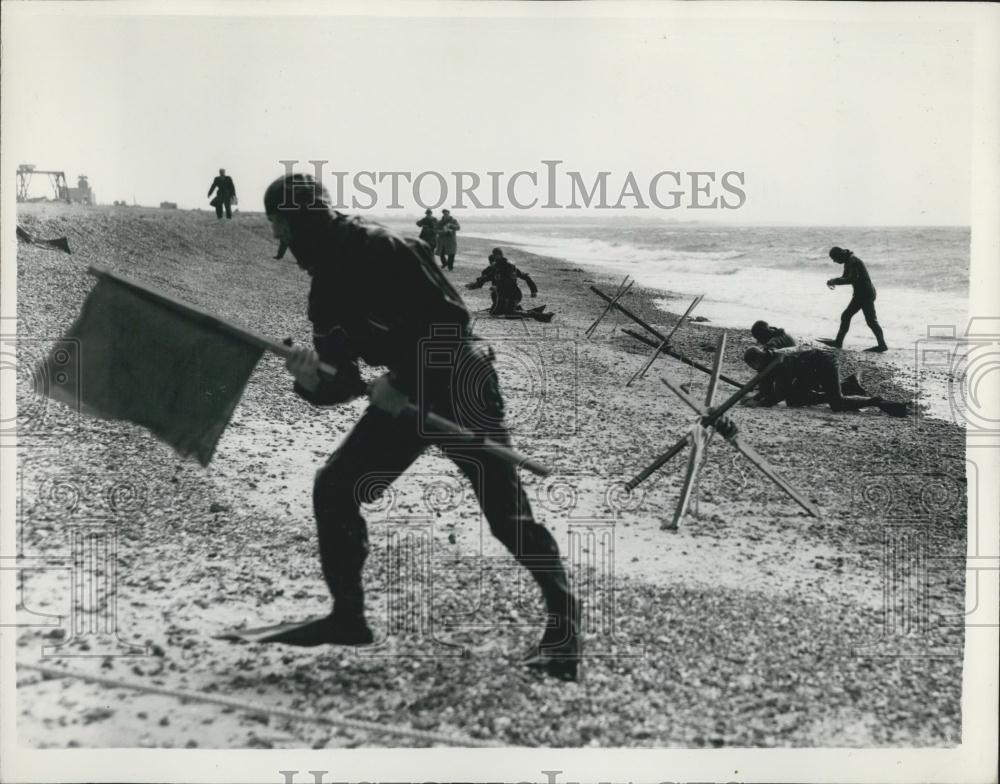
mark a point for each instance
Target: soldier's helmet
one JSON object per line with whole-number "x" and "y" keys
{"x": 294, "y": 194}
{"x": 754, "y": 356}
{"x": 759, "y": 331}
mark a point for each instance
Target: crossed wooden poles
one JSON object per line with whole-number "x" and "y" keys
{"x": 701, "y": 432}
{"x": 703, "y": 429}
{"x": 612, "y": 302}
{"x": 658, "y": 348}
{"x": 665, "y": 343}
{"x": 661, "y": 344}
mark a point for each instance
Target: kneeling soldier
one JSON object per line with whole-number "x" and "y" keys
{"x": 805, "y": 378}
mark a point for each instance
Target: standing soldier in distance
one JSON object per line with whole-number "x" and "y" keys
{"x": 447, "y": 243}
{"x": 226, "y": 194}
{"x": 375, "y": 296}
{"x": 428, "y": 228}
{"x": 855, "y": 274}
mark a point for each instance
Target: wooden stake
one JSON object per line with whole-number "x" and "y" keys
{"x": 660, "y": 461}
{"x": 695, "y": 461}
{"x": 654, "y": 332}
{"x": 713, "y": 382}
{"x": 621, "y": 292}
{"x": 692, "y": 403}
{"x": 768, "y": 470}
{"x": 700, "y": 434}
{"x": 434, "y": 422}
{"x": 742, "y": 392}
{"x": 690, "y": 362}
{"x": 665, "y": 342}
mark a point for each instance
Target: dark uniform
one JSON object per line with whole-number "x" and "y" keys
{"x": 771, "y": 337}
{"x": 447, "y": 242}
{"x": 376, "y": 296}
{"x": 863, "y": 299}
{"x": 503, "y": 277}
{"x": 428, "y": 230}
{"x": 224, "y": 198}
{"x": 805, "y": 378}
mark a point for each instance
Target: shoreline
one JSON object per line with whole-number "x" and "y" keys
{"x": 929, "y": 388}
{"x": 746, "y": 616}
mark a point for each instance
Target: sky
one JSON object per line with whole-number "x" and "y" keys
{"x": 833, "y": 117}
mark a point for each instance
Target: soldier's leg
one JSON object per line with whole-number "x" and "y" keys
{"x": 508, "y": 512}
{"x": 829, "y": 383}
{"x": 845, "y": 320}
{"x": 218, "y": 210}
{"x": 871, "y": 319}
{"x": 852, "y": 386}
{"x": 229, "y": 209}
{"x": 371, "y": 457}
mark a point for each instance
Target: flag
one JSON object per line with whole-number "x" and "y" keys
{"x": 149, "y": 360}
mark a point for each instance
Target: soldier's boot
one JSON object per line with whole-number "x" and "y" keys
{"x": 852, "y": 386}
{"x": 876, "y": 329}
{"x": 347, "y": 623}
{"x": 560, "y": 650}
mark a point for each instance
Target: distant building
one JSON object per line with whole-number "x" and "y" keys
{"x": 168, "y": 205}
{"x": 81, "y": 194}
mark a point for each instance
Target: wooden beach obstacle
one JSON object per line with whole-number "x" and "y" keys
{"x": 665, "y": 342}
{"x": 701, "y": 432}
{"x": 619, "y": 293}
{"x": 661, "y": 342}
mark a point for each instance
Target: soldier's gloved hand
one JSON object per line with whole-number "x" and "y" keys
{"x": 303, "y": 364}
{"x": 725, "y": 427}
{"x": 385, "y": 397}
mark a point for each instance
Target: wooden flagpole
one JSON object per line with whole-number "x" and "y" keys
{"x": 433, "y": 421}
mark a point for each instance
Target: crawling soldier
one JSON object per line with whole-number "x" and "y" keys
{"x": 805, "y": 378}
{"x": 505, "y": 294}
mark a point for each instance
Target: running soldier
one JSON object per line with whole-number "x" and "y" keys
{"x": 375, "y": 296}
{"x": 863, "y": 299}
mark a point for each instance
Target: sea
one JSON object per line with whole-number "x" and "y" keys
{"x": 774, "y": 273}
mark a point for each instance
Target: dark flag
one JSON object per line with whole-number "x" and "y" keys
{"x": 148, "y": 359}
